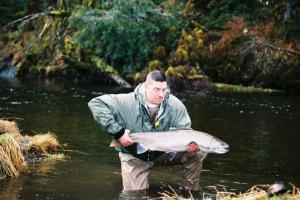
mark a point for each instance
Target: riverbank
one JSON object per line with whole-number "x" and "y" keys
{"x": 18, "y": 151}
{"x": 223, "y": 87}
{"x": 203, "y": 85}
{"x": 257, "y": 192}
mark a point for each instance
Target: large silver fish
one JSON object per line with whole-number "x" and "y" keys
{"x": 178, "y": 141}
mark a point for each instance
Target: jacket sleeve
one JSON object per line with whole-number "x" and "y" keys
{"x": 181, "y": 118}
{"x": 104, "y": 112}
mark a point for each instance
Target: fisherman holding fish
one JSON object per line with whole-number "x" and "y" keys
{"x": 150, "y": 108}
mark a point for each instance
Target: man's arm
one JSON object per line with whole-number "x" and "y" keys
{"x": 104, "y": 110}
{"x": 181, "y": 118}
{"x": 125, "y": 140}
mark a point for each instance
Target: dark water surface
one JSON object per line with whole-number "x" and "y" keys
{"x": 263, "y": 131}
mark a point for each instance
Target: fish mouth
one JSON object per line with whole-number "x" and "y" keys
{"x": 218, "y": 150}
{"x": 224, "y": 148}
{"x": 220, "y": 147}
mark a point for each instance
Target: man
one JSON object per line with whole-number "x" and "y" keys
{"x": 149, "y": 108}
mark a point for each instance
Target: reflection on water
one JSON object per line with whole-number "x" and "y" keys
{"x": 11, "y": 188}
{"x": 261, "y": 129}
{"x": 134, "y": 195}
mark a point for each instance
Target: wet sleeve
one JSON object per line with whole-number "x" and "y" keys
{"x": 104, "y": 110}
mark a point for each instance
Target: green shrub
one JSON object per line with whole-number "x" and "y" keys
{"x": 124, "y": 34}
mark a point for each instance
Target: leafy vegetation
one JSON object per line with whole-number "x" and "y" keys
{"x": 254, "y": 43}
{"x": 125, "y": 34}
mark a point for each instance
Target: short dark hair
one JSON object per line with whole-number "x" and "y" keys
{"x": 156, "y": 75}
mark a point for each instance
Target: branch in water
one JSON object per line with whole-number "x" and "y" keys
{"x": 119, "y": 80}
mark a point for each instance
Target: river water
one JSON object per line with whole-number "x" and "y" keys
{"x": 261, "y": 129}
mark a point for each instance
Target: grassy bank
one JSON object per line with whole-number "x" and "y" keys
{"x": 17, "y": 151}
{"x": 257, "y": 192}
{"x": 223, "y": 87}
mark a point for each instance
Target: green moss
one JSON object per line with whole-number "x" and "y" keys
{"x": 170, "y": 71}
{"x": 181, "y": 56}
{"x": 62, "y": 13}
{"x": 155, "y": 64}
{"x": 2, "y": 139}
{"x": 102, "y": 65}
{"x": 159, "y": 52}
{"x": 55, "y": 156}
{"x": 222, "y": 87}
{"x": 195, "y": 77}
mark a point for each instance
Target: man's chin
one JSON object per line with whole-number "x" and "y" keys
{"x": 158, "y": 102}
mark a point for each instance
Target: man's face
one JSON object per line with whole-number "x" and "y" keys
{"x": 155, "y": 91}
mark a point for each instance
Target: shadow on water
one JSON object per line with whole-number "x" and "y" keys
{"x": 261, "y": 129}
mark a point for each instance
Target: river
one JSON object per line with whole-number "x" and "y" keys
{"x": 261, "y": 129}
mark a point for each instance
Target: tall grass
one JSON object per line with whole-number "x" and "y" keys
{"x": 13, "y": 145}
{"x": 12, "y": 160}
{"x": 257, "y": 192}
{"x": 8, "y": 127}
{"x": 45, "y": 143}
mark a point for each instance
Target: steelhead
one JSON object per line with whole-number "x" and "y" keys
{"x": 178, "y": 141}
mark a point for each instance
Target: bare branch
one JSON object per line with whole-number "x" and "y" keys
{"x": 26, "y": 18}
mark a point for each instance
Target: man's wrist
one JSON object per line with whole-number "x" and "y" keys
{"x": 119, "y": 134}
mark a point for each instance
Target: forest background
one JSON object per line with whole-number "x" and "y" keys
{"x": 251, "y": 43}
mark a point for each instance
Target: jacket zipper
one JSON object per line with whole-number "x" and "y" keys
{"x": 152, "y": 123}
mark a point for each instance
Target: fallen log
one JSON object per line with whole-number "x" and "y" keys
{"x": 119, "y": 80}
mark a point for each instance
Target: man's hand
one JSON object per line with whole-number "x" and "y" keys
{"x": 193, "y": 148}
{"x": 125, "y": 140}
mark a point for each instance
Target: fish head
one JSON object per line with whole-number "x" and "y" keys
{"x": 218, "y": 146}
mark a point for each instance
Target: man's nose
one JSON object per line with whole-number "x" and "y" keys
{"x": 161, "y": 93}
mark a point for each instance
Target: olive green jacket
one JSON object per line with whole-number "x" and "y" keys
{"x": 116, "y": 112}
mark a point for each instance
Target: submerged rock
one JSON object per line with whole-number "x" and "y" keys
{"x": 8, "y": 72}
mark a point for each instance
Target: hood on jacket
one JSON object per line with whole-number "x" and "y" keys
{"x": 139, "y": 93}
